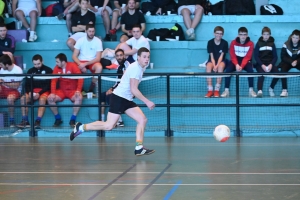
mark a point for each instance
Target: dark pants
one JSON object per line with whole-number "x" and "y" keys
{"x": 261, "y": 79}
{"x": 231, "y": 68}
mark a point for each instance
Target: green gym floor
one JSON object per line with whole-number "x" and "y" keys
{"x": 181, "y": 168}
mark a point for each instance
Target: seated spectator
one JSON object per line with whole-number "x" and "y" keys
{"x": 120, "y": 8}
{"x": 40, "y": 91}
{"x": 105, "y": 96}
{"x": 162, "y": 5}
{"x": 87, "y": 54}
{"x": 289, "y": 59}
{"x": 130, "y": 18}
{"x": 7, "y": 42}
{"x": 186, "y": 8}
{"x": 67, "y": 88}
{"x": 79, "y": 21}
{"x": 217, "y": 49}
{"x": 265, "y": 55}
{"x": 10, "y": 87}
{"x": 131, "y": 46}
{"x": 27, "y": 8}
{"x": 240, "y": 50}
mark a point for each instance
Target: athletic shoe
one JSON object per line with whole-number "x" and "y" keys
{"x": 121, "y": 124}
{"x": 216, "y": 94}
{"x": 143, "y": 151}
{"x": 284, "y": 93}
{"x": 57, "y": 123}
{"x": 72, "y": 123}
{"x": 259, "y": 94}
{"x": 107, "y": 38}
{"x": 32, "y": 38}
{"x": 252, "y": 93}
{"x": 76, "y": 131}
{"x": 12, "y": 125}
{"x": 24, "y": 124}
{"x": 192, "y": 36}
{"x": 271, "y": 92}
{"x": 37, "y": 124}
{"x": 113, "y": 31}
{"x": 225, "y": 94}
{"x": 209, "y": 94}
{"x": 60, "y": 16}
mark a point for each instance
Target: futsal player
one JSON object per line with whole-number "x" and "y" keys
{"x": 121, "y": 102}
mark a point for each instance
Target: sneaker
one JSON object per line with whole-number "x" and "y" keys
{"x": 76, "y": 131}
{"x": 72, "y": 123}
{"x": 12, "y": 125}
{"x": 120, "y": 123}
{"x": 37, "y": 124}
{"x": 57, "y": 123}
{"x": 107, "y": 38}
{"x": 24, "y": 124}
{"x": 113, "y": 31}
{"x": 209, "y": 94}
{"x": 252, "y": 93}
{"x": 216, "y": 94}
{"x": 284, "y": 93}
{"x": 60, "y": 16}
{"x": 271, "y": 92}
{"x": 192, "y": 36}
{"x": 225, "y": 94}
{"x": 259, "y": 94}
{"x": 32, "y": 38}
{"x": 143, "y": 151}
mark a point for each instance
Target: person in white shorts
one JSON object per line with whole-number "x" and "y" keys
{"x": 186, "y": 8}
{"x": 122, "y": 102}
{"x": 27, "y": 8}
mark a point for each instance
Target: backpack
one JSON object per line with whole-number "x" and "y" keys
{"x": 218, "y": 8}
{"x": 239, "y": 7}
{"x": 177, "y": 30}
{"x": 162, "y": 32}
{"x": 54, "y": 9}
{"x": 271, "y": 9}
{"x": 148, "y": 7}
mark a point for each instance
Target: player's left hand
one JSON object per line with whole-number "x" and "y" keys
{"x": 150, "y": 105}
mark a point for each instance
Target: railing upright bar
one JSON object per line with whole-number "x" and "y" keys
{"x": 238, "y": 131}
{"x": 168, "y": 132}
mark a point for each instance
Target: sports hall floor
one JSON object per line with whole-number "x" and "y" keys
{"x": 181, "y": 168}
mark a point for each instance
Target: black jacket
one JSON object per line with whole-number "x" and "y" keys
{"x": 289, "y": 53}
{"x": 265, "y": 52}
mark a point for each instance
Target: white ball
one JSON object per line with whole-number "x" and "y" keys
{"x": 222, "y": 133}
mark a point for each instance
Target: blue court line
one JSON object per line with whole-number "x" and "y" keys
{"x": 174, "y": 188}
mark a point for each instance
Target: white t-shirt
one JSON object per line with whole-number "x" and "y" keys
{"x": 137, "y": 44}
{"x": 9, "y": 79}
{"x": 88, "y": 49}
{"x": 135, "y": 71}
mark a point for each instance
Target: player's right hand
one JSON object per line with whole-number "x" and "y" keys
{"x": 150, "y": 105}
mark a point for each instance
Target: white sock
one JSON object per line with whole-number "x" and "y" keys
{"x": 210, "y": 88}
{"x": 227, "y": 89}
{"x": 103, "y": 117}
{"x": 138, "y": 147}
{"x": 120, "y": 119}
{"x": 28, "y": 29}
{"x": 217, "y": 87}
{"x": 250, "y": 89}
{"x": 81, "y": 128}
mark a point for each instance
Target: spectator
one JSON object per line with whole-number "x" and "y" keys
{"x": 265, "y": 55}
{"x": 187, "y": 8}
{"x": 105, "y": 96}
{"x": 79, "y": 21}
{"x": 27, "y": 8}
{"x": 163, "y": 5}
{"x": 10, "y": 87}
{"x": 130, "y": 18}
{"x": 7, "y": 42}
{"x": 40, "y": 88}
{"x": 120, "y": 8}
{"x": 132, "y": 45}
{"x": 2, "y": 6}
{"x": 87, "y": 54}
{"x": 217, "y": 49}
{"x": 68, "y": 88}
{"x": 241, "y": 50}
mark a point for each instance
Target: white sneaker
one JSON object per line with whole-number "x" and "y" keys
{"x": 271, "y": 92}
{"x": 284, "y": 93}
{"x": 32, "y": 38}
{"x": 225, "y": 94}
{"x": 192, "y": 37}
{"x": 252, "y": 93}
{"x": 259, "y": 94}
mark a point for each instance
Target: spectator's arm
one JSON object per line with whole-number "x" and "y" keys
{"x": 67, "y": 3}
{"x": 96, "y": 59}
{"x": 143, "y": 25}
{"x": 124, "y": 30}
{"x": 248, "y": 56}
{"x": 130, "y": 52}
{"x": 47, "y": 86}
{"x": 54, "y": 82}
{"x": 13, "y": 85}
{"x": 285, "y": 56}
{"x": 7, "y": 49}
{"x": 75, "y": 56}
{"x": 275, "y": 57}
{"x": 90, "y": 7}
{"x": 80, "y": 80}
{"x": 232, "y": 54}
{"x": 78, "y": 28}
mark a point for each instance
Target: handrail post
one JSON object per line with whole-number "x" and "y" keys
{"x": 168, "y": 132}
{"x": 238, "y": 131}
{"x": 32, "y": 131}
{"x": 100, "y": 133}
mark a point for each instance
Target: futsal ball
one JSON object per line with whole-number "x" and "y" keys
{"x": 222, "y": 133}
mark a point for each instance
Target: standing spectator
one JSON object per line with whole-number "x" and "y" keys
{"x": 68, "y": 88}
{"x": 186, "y": 8}
{"x": 241, "y": 50}
{"x": 120, "y": 8}
{"x": 7, "y": 42}
{"x": 217, "y": 49}
{"x": 27, "y": 8}
{"x": 265, "y": 55}
{"x": 130, "y": 18}
{"x": 79, "y": 21}
{"x": 290, "y": 58}
{"x": 40, "y": 88}
{"x": 87, "y": 54}
{"x": 132, "y": 45}
{"x": 10, "y": 87}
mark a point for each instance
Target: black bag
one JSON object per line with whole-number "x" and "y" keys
{"x": 218, "y": 8}
{"x": 239, "y": 7}
{"x": 271, "y": 9}
{"x": 177, "y": 30}
{"x": 148, "y": 7}
{"x": 162, "y": 32}
{"x": 105, "y": 62}
{"x": 171, "y": 6}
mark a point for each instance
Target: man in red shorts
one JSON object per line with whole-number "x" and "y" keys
{"x": 41, "y": 90}
{"x": 87, "y": 54}
{"x": 69, "y": 88}
{"x": 10, "y": 87}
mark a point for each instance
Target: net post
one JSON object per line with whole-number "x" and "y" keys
{"x": 100, "y": 133}
{"x": 168, "y": 132}
{"x": 238, "y": 131}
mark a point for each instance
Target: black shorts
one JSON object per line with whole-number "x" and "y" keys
{"x": 119, "y": 105}
{"x": 105, "y": 98}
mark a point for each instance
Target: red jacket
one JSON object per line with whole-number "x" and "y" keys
{"x": 241, "y": 53}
